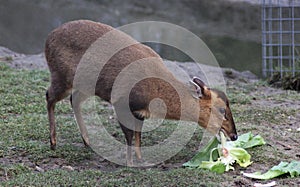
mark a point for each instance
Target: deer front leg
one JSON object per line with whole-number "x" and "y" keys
{"x": 50, "y": 108}
{"x": 76, "y": 99}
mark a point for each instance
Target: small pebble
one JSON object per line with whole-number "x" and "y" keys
{"x": 39, "y": 169}
{"x": 70, "y": 168}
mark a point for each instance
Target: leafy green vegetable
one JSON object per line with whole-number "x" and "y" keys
{"x": 228, "y": 153}
{"x": 241, "y": 156}
{"x": 204, "y": 154}
{"x": 217, "y": 167}
{"x": 292, "y": 168}
{"x": 248, "y": 140}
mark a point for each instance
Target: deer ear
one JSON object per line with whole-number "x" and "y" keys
{"x": 195, "y": 89}
{"x": 204, "y": 89}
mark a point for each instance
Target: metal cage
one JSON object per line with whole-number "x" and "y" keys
{"x": 280, "y": 37}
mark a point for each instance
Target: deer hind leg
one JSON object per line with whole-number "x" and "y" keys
{"x": 128, "y": 132}
{"x": 53, "y": 95}
{"x": 128, "y": 136}
{"x": 137, "y": 135}
{"x": 76, "y": 99}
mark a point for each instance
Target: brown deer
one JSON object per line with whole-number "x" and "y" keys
{"x": 65, "y": 48}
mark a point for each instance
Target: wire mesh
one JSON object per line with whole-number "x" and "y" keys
{"x": 280, "y": 37}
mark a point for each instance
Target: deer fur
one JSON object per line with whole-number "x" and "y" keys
{"x": 66, "y": 45}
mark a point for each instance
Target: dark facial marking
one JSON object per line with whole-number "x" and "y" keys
{"x": 221, "y": 95}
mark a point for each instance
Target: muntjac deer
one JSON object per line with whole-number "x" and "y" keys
{"x": 66, "y": 45}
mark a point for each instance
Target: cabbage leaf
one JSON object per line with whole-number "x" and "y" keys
{"x": 228, "y": 153}
{"x": 292, "y": 168}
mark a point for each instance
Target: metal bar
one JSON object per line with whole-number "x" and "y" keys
{"x": 281, "y": 32}
{"x": 283, "y": 19}
{"x": 293, "y": 40}
{"x": 263, "y": 25}
{"x": 283, "y": 57}
{"x": 280, "y": 41}
{"x": 270, "y": 38}
{"x": 282, "y": 3}
{"x": 278, "y": 6}
{"x": 284, "y": 70}
{"x": 290, "y": 47}
{"x": 287, "y": 71}
{"x": 285, "y": 44}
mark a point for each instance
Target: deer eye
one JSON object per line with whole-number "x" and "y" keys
{"x": 222, "y": 111}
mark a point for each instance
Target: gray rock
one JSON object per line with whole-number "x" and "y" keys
{"x": 184, "y": 71}
{"x": 22, "y": 61}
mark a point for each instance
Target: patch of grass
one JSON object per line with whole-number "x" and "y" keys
{"x": 122, "y": 177}
{"x": 4, "y": 66}
{"x": 284, "y": 96}
{"x": 13, "y": 170}
{"x": 240, "y": 94}
{"x": 244, "y": 114}
{"x": 239, "y": 98}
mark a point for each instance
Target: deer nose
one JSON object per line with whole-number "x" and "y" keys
{"x": 233, "y": 137}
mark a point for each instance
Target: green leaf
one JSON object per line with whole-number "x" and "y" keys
{"x": 217, "y": 166}
{"x": 204, "y": 154}
{"x": 229, "y": 156}
{"x": 292, "y": 168}
{"x": 236, "y": 153}
{"x": 255, "y": 141}
{"x": 248, "y": 140}
{"x": 268, "y": 175}
{"x": 241, "y": 156}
